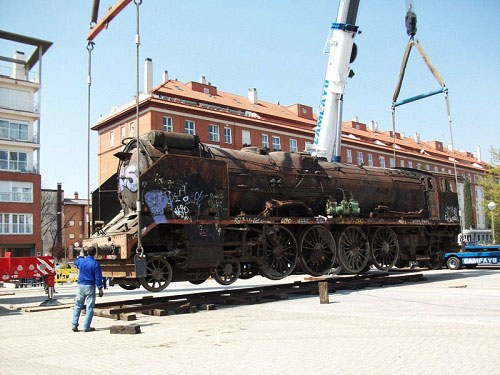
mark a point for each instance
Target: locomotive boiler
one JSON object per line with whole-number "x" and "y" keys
{"x": 231, "y": 214}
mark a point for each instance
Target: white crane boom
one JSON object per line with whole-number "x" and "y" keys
{"x": 341, "y": 40}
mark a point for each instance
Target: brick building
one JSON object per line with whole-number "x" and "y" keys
{"x": 20, "y": 181}
{"x": 231, "y": 121}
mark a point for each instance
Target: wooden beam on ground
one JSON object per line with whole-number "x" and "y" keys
{"x": 131, "y": 329}
{"x": 104, "y": 21}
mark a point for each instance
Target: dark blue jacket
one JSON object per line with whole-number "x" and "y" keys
{"x": 90, "y": 271}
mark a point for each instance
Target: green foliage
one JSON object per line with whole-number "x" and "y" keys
{"x": 468, "y": 211}
{"x": 490, "y": 184}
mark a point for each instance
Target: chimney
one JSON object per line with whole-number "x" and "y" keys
{"x": 19, "y": 70}
{"x": 148, "y": 75}
{"x": 59, "y": 228}
{"x": 165, "y": 76}
{"x": 478, "y": 153}
{"x": 416, "y": 137}
{"x": 252, "y": 95}
{"x": 450, "y": 147}
{"x": 202, "y": 80}
{"x": 371, "y": 125}
{"x": 76, "y": 195}
{"x": 355, "y": 119}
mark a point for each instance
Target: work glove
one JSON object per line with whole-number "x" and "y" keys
{"x": 101, "y": 293}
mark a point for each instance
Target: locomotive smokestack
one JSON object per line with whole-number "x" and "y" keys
{"x": 148, "y": 75}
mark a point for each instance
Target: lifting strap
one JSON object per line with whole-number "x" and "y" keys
{"x": 411, "y": 30}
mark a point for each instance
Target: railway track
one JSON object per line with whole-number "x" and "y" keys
{"x": 192, "y": 302}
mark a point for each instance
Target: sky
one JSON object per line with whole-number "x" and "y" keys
{"x": 276, "y": 46}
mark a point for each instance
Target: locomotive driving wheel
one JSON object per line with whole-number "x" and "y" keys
{"x": 317, "y": 250}
{"x": 158, "y": 274}
{"x": 280, "y": 253}
{"x": 353, "y": 249}
{"x": 227, "y": 273}
{"x": 384, "y": 248}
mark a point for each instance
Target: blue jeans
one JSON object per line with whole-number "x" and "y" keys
{"x": 84, "y": 293}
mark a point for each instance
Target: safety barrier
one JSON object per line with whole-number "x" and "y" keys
{"x": 66, "y": 275}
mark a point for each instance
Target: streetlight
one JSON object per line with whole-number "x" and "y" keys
{"x": 491, "y": 207}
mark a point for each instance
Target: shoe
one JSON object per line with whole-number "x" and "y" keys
{"x": 74, "y": 329}
{"x": 90, "y": 329}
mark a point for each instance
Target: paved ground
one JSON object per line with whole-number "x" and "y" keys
{"x": 447, "y": 325}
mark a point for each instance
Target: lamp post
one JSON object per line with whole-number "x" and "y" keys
{"x": 491, "y": 207}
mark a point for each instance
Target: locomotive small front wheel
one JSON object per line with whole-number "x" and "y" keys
{"x": 227, "y": 273}
{"x": 353, "y": 249}
{"x": 158, "y": 274}
{"x": 248, "y": 270}
{"x": 384, "y": 249}
{"x": 435, "y": 255}
{"x": 280, "y": 253}
{"x": 453, "y": 263}
{"x": 128, "y": 286}
{"x": 318, "y": 251}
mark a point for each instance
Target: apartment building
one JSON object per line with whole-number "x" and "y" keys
{"x": 232, "y": 121}
{"x": 20, "y": 180}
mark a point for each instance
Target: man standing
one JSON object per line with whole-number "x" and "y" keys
{"x": 90, "y": 276}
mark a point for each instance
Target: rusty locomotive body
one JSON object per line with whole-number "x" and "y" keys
{"x": 211, "y": 211}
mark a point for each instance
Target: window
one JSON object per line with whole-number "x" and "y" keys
{"x": 13, "y": 161}
{"x": 293, "y": 145}
{"x": 381, "y": 161}
{"x": 410, "y": 164}
{"x": 276, "y": 143}
{"x": 427, "y": 167}
{"x": 360, "y": 157}
{"x": 307, "y": 146}
{"x": 391, "y": 163}
{"x": 265, "y": 141}
{"x": 71, "y": 235}
{"x": 189, "y": 127}
{"x": 122, "y": 133}
{"x": 71, "y": 223}
{"x": 246, "y": 140}
{"x": 16, "y": 224}
{"x": 132, "y": 128}
{"x": 14, "y": 131}
{"x": 167, "y": 124}
{"x": 227, "y": 136}
{"x": 20, "y": 194}
{"x": 112, "y": 138}
{"x": 419, "y": 166}
{"x": 213, "y": 133}
{"x": 349, "y": 156}
{"x": 402, "y": 163}
{"x": 436, "y": 169}
{"x": 80, "y": 223}
{"x": 370, "y": 160}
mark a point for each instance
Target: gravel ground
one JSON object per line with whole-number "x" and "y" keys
{"x": 449, "y": 324}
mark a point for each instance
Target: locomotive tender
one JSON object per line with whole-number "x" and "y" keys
{"x": 212, "y": 211}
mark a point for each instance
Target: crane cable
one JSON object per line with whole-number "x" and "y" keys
{"x": 140, "y": 249}
{"x": 90, "y": 48}
{"x": 411, "y": 29}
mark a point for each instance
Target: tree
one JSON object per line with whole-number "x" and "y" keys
{"x": 490, "y": 184}
{"x": 50, "y": 231}
{"x": 468, "y": 211}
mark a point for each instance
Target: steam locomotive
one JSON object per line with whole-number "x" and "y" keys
{"x": 208, "y": 211}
